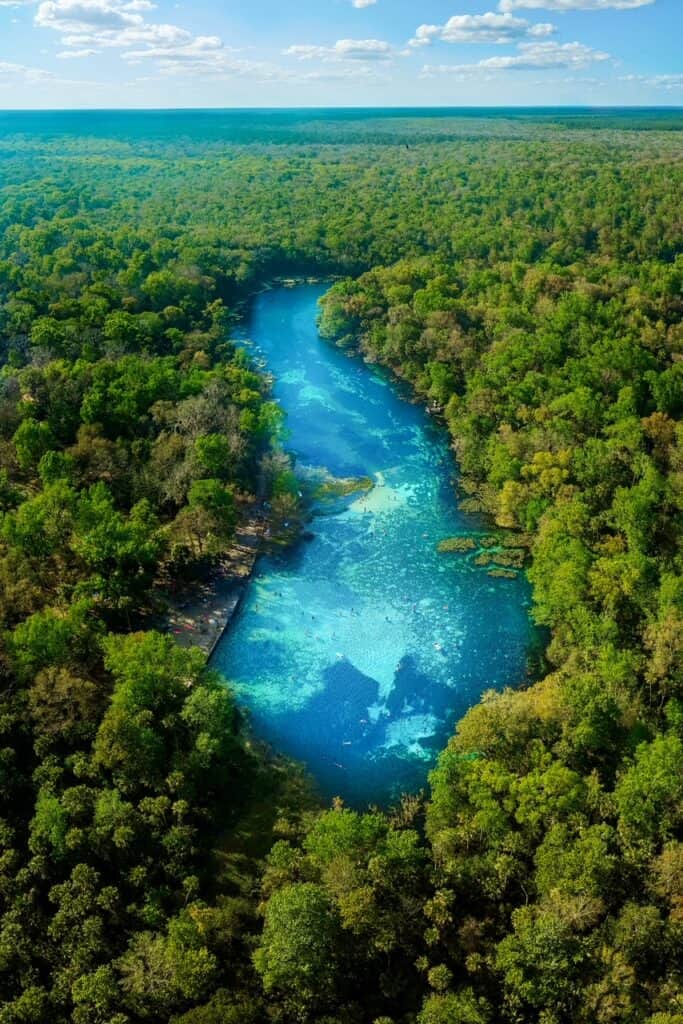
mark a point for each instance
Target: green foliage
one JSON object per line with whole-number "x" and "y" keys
{"x": 52, "y": 638}
{"x": 164, "y": 715}
{"x": 160, "y": 973}
{"x": 524, "y": 276}
{"x": 296, "y": 955}
{"x": 649, "y": 795}
{"x": 213, "y": 452}
{"x": 32, "y": 441}
{"x": 451, "y": 1008}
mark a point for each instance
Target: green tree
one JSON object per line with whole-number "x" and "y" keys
{"x": 298, "y": 955}
{"x": 31, "y": 441}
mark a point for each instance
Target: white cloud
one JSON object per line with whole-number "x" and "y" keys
{"x": 424, "y": 34}
{"x": 206, "y": 48}
{"x": 488, "y": 28}
{"x": 85, "y": 24}
{"x": 668, "y": 82}
{"x": 343, "y": 49}
{"x": 221, "y": 66}
{"x": 90, "y": 26}
{"x": 360, "y": 4}
{"x": 89, "y": 15}
{"x": 15, "y": 75}
{"x": 531, "y": 56}
{"x": 76, "y": 54}
{"x": 20, "y": 72}
{"x": 572, "y": 5}
{"x": 16, "y": 3}
{"x": 343, "y": 72}
{"x": 548, "y": 55}
{"x": 151, "y": 35}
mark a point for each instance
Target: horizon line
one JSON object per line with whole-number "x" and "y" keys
{"x": 360, "y": 107}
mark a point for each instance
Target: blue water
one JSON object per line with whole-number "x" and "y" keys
{"x": 358, "y": 650}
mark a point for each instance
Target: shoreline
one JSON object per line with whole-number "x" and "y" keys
{"x": 199, "y": 615}
{"x": 214, "y": 601}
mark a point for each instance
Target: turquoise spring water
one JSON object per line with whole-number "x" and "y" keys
{"x": 357, "y": 651}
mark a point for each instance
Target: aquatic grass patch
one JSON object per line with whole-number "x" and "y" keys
{"x": 508, "y": 558}
{"x": 459, "y": 545}
{"x": 343, "y": 488}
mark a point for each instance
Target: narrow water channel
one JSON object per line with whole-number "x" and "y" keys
{"x": 357, "y": 651}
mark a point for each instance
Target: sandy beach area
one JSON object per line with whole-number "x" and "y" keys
{"x": 199, "y": 616}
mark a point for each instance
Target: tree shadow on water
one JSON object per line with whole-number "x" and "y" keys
{"x": 357, "y": 745}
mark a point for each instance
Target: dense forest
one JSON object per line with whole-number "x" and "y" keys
{"x": 525, "y": 276}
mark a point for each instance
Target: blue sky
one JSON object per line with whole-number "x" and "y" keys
{"x": 163, "y": 53}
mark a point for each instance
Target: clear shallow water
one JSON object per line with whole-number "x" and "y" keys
{"x": 357, "y": 651}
